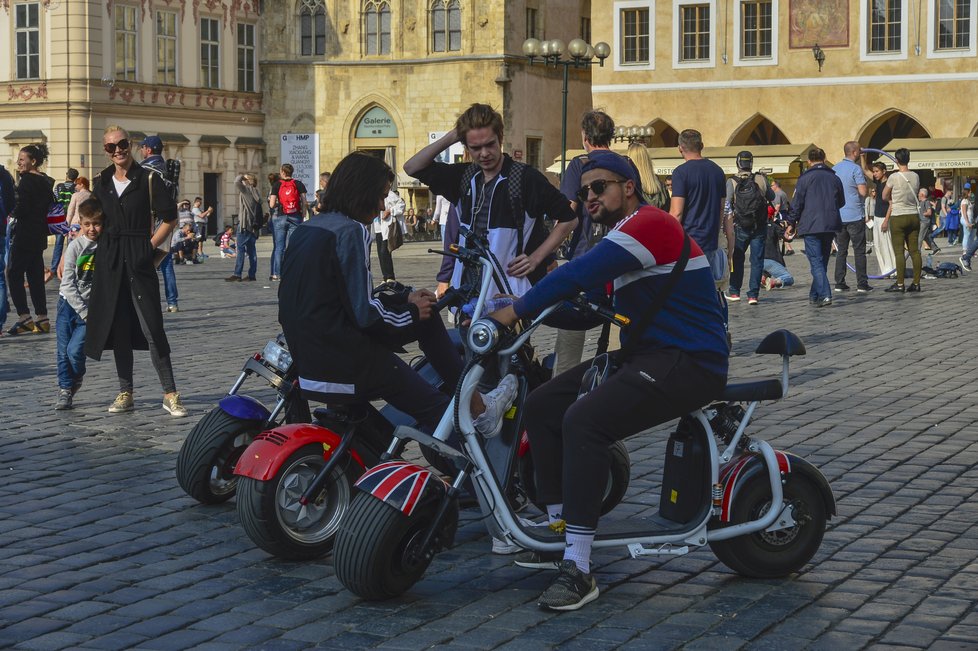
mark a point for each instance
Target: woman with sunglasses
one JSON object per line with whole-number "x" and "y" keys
{"x": 35, "y": 192}
{"x": 124, "y": 312}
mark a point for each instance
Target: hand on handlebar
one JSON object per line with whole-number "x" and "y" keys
{"x": 441, "y": 289}
{"x": 506, "y": 317}
{"x": 424, "y": 300}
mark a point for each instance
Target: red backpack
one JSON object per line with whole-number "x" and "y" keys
{"x": 288, "y": 196}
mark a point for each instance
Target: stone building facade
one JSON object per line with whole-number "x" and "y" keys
{"x": 747, "y": 72}
{"x": 184, "y": 69}
{"x": 382, "y": 75}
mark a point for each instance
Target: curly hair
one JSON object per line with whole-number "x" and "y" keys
{"x": 37, "y": 152}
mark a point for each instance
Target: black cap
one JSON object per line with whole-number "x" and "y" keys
{"x": 745, "y": 161}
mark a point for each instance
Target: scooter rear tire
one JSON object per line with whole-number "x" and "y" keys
{"x": 272, "y": 517}
{"x": 619, "y": 476}
{"x": 772, "y": 554}
{"x": 374, "y": 545}
{"x": 205, "y": 464}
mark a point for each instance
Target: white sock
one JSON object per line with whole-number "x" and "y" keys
{"x": 554, "y": 512}
{"x": 578, "y": 547}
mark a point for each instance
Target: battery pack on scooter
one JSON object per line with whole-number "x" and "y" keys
{"x": 683, "y": 478}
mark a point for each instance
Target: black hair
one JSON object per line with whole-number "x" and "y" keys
{"x": 902, "y": 156}
{"x": 598, "y": 128}
{"x": 816, "y": 155}
{"x": 357, "y": 186}
{"x": 38, "y": 153}
{"x": 72, "y": 174}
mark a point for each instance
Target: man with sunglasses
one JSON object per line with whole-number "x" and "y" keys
{"x": 124, "y": 311}
{"x": 676, "y": 363}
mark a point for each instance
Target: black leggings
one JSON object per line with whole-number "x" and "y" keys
{"x": 122, "y": 345}
{"x": 569, "y": 438}
{"x": 30, "y": 265}
{"x": 385, "y": 258}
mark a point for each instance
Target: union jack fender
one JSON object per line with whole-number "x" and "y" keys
{"x": 403, "y": 485}
{"x": 738, "y": 470}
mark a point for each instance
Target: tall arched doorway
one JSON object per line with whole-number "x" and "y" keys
{"x": 889, "y": 125}
{"x": 665, "y": 135}
{"x": 375, "y": 133}
{"x": 758, "y": 131}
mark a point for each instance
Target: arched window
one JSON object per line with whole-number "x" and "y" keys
{"x": 377, "y": 27}
{"x": 446, "y": 26}
{"x": 312, "y": 27}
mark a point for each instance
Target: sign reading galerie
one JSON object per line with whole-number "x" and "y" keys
{"x": 301, "y": 150}
{"x": 376, "y": 123}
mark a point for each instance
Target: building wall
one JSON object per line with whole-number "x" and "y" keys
{"x": 857, "y": 95}
{"x": 76, "y": 95}
{"x": 423, "y": 91}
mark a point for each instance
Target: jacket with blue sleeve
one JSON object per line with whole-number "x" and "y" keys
{"x": 819, "y": 195}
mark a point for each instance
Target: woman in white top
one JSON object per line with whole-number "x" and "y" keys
{"x": 967, "y": 209}
{"x": 902, "y": 220}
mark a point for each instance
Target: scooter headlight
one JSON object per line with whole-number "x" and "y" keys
{"x": 276, "y": 356}
{"x": 483, "y": 336}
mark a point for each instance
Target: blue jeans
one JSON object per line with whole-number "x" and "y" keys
{"x": 169, "y": 280}
{"x": 818, "y": 250}
{"x": 70, "y": 329}
{"x": 59, "y": 247}
{"x": 778, "y": 271}
{"x": 970, "y": 253}
{"x": 246, "y": 246}
{"x": 755, "y": 240}
{"x": 282, "y": 228}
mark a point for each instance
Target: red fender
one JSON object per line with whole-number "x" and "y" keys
{"x": 266, "y": 454}
{"x": 403, "y": 485}
{"x": 738, "y": 470}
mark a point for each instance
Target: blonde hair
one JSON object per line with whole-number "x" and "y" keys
{"x": 114, "y": 127}
{"x": 653, "y": 188}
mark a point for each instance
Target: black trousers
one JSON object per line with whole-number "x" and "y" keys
{"x": 30, "y": 265}
{"x": 569, "y": 438}
{"x": 122, "y": 344}
{"x": 855, "y": 232}
{"x": 386, "y": 260}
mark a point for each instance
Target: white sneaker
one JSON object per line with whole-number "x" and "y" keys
{"x": 504, "y": 548}
{"x": 498, "y": 401}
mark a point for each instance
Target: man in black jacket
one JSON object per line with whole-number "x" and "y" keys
{"x": 342, "y": 337}
{"x": 815, "y": 212}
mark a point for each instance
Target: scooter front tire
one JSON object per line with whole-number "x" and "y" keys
{"x": 377, "y": 554}
{"x": 772, "y": 554}
{"x": 205, "y": 464}
{"x": 271, "y": 515}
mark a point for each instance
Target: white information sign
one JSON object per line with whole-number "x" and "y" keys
{"x": 301, "y": 150}
{"x": 454, "y": 154}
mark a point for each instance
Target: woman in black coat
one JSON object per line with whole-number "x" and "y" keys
{"x": 35, "y": 193}
{"x": 124, "y": 310}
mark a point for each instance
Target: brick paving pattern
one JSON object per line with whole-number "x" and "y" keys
{"x": 99, "y": 547}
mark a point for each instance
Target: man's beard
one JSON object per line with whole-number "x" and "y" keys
{"x": 606, "y": 217}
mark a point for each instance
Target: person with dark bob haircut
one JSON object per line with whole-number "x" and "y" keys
{"x": 903, "y": 221}
{"x": 342, "y": 333}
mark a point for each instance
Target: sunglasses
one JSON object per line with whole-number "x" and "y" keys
{"x": 597, "y": 187}
{"x": 122, "y": 145}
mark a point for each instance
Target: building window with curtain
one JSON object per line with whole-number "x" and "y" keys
{"x": 166, "y": 47}
{"x": 634, "y": 35}
{"x": 246, "y": 57}
{"x": 312, "y": 28}
{"x": 377, "y": 27}
{"x": 885, "y": 18}
{"x": 446, "y": 26}
{"x": 953, "y": 24}
{"x": 757, "y": 27}
{"x": 210, "y": 47}
{"x": 125, "y": 42}
{"x": 694, "y": 33}
{"x": 27, "y": 35}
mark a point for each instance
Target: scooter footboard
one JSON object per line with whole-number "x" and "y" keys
{"x": 736, "y": 473}
{"x": 266, "y": 454}
{"x": 403, "y": 485}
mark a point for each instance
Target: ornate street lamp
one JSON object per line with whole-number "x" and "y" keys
{"x": 579, "y": 54}
{"x": 637, "y": 133}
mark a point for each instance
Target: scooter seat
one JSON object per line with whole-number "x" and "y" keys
{"x": 769, "y": 389}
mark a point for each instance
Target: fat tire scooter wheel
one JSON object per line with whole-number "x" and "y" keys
{"x": 272, "y": 517}
{"x": 374, "y": 547}
{"x": 619, "y": 476}
{"x": 205, "y": 464}
{"x": 771, "y": 554}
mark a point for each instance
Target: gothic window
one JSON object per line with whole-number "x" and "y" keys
{"x": 446, "y": 26}
{"x": 377, "y": 27}
{"x": 312, "y": 27}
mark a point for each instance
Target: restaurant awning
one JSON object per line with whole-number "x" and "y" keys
{"x": 938, "y": 153}
{"x": 773, "y": 159}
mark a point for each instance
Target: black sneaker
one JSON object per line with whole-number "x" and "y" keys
{"x": 865, "y": 289}
{"x": 965, "y": 264}
{"x": 895, "y": 287}
{"x": 570, "y": 590}
{"x": 913, "y": 287}
{"x": 842, "y": 287}
{"x": 534, "y": 560}
{"x": 64, "y": 399}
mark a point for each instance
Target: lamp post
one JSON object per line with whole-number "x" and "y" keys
{"x": 580, "y": 54}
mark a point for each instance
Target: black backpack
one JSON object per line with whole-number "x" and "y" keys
{"x": 749, "y": 204}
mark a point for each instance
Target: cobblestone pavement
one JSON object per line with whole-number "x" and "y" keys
{"x": 99, "y": 547}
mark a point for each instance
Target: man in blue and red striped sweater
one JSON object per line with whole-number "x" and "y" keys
{"x": 676, "y": 364}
